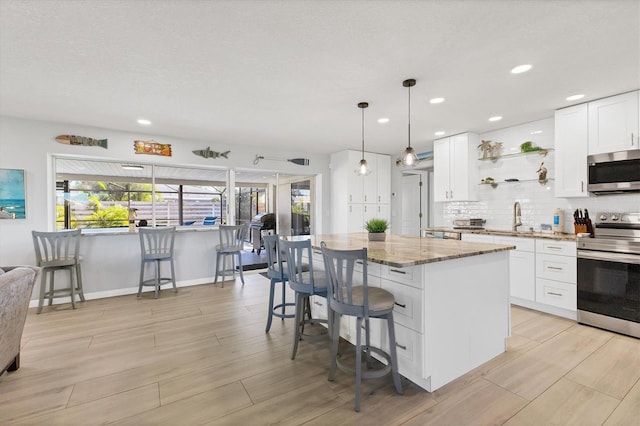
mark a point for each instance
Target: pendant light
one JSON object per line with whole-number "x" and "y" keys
{"x": 409, "y": 157}
{"x": 363, "y": 167}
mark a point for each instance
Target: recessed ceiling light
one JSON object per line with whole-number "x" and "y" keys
{"x": 437, "y": 100}
{"x": 439, "y": 133}
{"x": 536, "y": 132}
{"x": 495, "y": 118}
{"x": 144, "y": 121}
{"x": 574, "y": 97}
{"x": 521, "y": 68}
{"x": 383, "y": 120}
{"x": 132, "y": 167}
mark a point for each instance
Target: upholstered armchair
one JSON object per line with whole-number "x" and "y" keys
{"x": 16, "y": 285}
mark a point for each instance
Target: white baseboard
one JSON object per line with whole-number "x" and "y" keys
{"x": 119, "y": 292}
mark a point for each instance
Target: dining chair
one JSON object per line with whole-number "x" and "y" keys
{"x": 277, "y": 273}
{"x": 232, "y": 238}
{"x": 55, "y": 251}
{"x": 305, "y": 281}
{"x": 350, "y": 295}
{"x": 156, "y": 246}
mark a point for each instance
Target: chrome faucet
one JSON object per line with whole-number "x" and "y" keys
{"x": 517, "y": 216}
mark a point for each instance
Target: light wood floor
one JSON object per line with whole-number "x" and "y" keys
{"x": 201, "y": 356}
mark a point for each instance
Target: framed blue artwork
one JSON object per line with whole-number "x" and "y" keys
{"x": 12, "y": 194}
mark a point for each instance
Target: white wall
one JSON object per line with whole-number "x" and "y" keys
{"x": 538, "y": 201}
{"x": 26, "y": 144}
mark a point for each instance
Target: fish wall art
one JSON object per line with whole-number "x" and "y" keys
{"x": 208, "y": 153}
{"x": 152, "y": 148}
{"x": 81, "y": 140}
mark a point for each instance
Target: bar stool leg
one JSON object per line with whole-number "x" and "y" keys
{"x": 157, "y": 286}
{"x": 79, "y": 276}
{"x": 335, "y": 339}
{"x": 358, "y": 363}
{"x": 173, "y": 275}
{"x": 51, "y": 287}
{"x": 43, "y": 286}
{"x": 73, "y": 279}
{"x": 240, "y": 267}
{"x": 299, "y": 321}
{"x": 272, "y": 290}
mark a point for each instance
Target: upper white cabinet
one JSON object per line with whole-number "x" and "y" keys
{"x": 354, "y": 198}
{"x": 454, "y": 168}
{"x": 571, "y": 141}
{"x": 614, "y": 124}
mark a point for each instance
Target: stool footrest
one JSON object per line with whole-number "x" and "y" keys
{"x": 153, "y": 282}
{"x": 367, "y": 374}
{"x": 280, "y": 314}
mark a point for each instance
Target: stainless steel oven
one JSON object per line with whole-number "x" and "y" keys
{"x": 609, "y": 274}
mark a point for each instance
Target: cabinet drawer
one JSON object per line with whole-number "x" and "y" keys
{"x": 409, "y": 344}
{"x": 318, "y": 260}
{"x": 563, "y": 248}
{"x": 411, "y": 275}
{"x": 558, "y": 268}
{"x": 373, "y": 269}
{"x": 408, "y": 308}
{"x": 522, "y": 244}
{"x": 318, "y": 307}
{"x": 556, "y": 293}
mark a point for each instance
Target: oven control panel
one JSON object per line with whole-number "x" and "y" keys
{"x": 611, "y": 217}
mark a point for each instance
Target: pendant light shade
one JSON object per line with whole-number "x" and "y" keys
{"x": 409, "y": 157}
{"x": 363, "y": 168}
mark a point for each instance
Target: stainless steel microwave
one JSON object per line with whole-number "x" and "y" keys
{"x": 614, "y": 172}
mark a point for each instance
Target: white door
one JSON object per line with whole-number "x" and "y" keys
{"x": 441, "y": 159}
{"x": 411, "y": 208}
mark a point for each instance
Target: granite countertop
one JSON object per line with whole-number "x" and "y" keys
{"x": 401, "y": 251}
{"x": 507, "y": 233}
{"x": 93, "y": 232}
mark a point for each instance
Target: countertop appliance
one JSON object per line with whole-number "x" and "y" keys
{"x": 467, "y": 223}
{"x": 261, "y": 222}
{"x": 609, "y": 274}
{"x": 614, "y": 172}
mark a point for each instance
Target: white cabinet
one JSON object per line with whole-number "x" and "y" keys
{"x": 454, "y": 168}
{"x": 354, "y": 198}
{"x": 556, "y": 274}
{"x": 614, "y": 124}
{"x": 522, "y": 283}
{"x": 522, "y": 272}
{"x": 571, "y": 144}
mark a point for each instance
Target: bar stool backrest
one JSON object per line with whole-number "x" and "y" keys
{"x": 58, "y": 248}
{"x": 339, "y": 265}
{"x": 157, "y": 243}
{"x": 300, "y": 275}
{"x": 232, "y": 237}
{"x": 275, "y": 265}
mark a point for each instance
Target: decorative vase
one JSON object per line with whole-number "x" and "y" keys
{"x": 377, "y": 236}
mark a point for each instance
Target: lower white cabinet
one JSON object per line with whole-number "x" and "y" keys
{"x": 542, "y": 272}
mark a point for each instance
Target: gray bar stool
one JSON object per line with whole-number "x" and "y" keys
{"x": 56, "y": 251}
{"x": 156, "y": 245}
{"x": 362, "y": 302}
{"x": 306, "y": 281}
{"x": 232, "y": 239}
{"x": 277, "y": 273}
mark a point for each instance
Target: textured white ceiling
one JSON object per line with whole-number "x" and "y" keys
{"x": 289, "y": 74}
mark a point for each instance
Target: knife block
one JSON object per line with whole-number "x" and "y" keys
{"x": 579, "y": 228}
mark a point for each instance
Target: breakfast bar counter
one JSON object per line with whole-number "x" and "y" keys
{"x": 452, "y": 310}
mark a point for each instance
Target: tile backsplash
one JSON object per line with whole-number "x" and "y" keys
{"x": 537, "y": 201}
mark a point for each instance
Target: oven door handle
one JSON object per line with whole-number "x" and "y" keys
{"x": 608, "y": 256}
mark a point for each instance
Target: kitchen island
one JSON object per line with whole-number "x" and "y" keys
{"x": 452, "y": 309}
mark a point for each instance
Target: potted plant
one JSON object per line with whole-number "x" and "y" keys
{"x": 376, "y": 229}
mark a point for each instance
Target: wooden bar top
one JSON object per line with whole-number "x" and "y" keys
{"x": 402, "y": 251}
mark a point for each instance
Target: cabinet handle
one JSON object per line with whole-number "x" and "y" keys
{"x": 403, "y": 347}
{"x": 317, "y": 303}
{"x": 350, "y": 198}
{"x": 451, "y": 194}
{"x": 397, "y": 271}
{"x": 350, "y": 209}
{"x": 365, "y": 198}
{"x": 317, "y": 252}
{"x": 554, "y": 248}
{"x": 401, "y": 305}
{"x": 581, "y": 186}
{"x": 378, "y": 198}
{"x": 365, "y": 208}
{"x": 359, "y": 262}
{"x": 378, "y": 209}
{"x": 555, "y": 268}
{"x": 554, "y": 293}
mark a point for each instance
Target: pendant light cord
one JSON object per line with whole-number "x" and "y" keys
{"x": 362, "y": 132}
{"x": 409, "y": 119}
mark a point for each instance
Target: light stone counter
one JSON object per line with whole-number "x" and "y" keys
{"x": 401, "y": 251}
{"x": 507, "y": 233}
